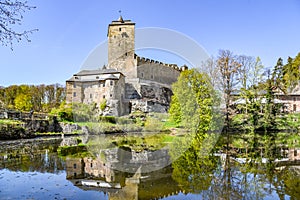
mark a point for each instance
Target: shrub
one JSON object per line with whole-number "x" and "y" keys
{"x": 109, "y": 119}
{"x": 103, "y": 104}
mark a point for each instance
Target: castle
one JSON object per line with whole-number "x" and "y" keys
{"x": 129, "y": 82}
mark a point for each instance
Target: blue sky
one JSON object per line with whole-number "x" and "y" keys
{"x": 69, "y": 30}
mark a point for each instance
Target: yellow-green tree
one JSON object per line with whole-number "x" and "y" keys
{"x": 23, "y": 102}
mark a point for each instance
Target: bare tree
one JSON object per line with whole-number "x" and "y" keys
{"x": 228, "y": 67}
{"x": 209, "y": 66}
{"x": 11, "y": 14}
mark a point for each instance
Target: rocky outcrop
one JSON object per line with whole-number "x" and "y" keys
{"x": 10, "y": 132}
{"x": 71, "y": 128}
{"x": 148, "y": 106}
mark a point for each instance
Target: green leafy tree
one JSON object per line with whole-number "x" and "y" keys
{"x": 193, "y": 170}
{"x": 291, "y": 73}
{"x": 43, "y": 98}
{"x": 193, "y": 105}
{"x": 193, "y": 101}
{"x": 175, "y": 110}
{"x": 23, "y": 102}
{"x": 103, "y": 104}
{"x": 64, "y": 112}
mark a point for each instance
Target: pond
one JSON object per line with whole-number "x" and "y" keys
{"x": 43, "y": 169}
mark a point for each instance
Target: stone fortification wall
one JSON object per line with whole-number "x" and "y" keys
{"x": 157, "y": 71}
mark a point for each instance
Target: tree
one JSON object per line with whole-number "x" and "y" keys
{"x": 175, "y": 110}
{"x": 210, "y": 68}
{"x": 291, "y": 73}
{"x": 11, "y": 14}
{"x": 37, "y": 93}
{"x": 228, "y": 65}
{"x": 277, "y": 76}
{"x": 192, "y": 171}
{"x": 193, "y": 100}
{"x": 23, "y": 102}
{"x": 42, "y": 98}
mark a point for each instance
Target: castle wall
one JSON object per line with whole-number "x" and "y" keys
{"x": 74, "y": 92}
{"x": 156, "y": 71}
{"x": 125, "y": 64}
{"x": 96, "y": 91}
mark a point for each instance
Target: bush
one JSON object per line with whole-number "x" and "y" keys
{"x": 103, "y": 104}
{"x": 109, "y": 119}
{"x": 64, "y": 112}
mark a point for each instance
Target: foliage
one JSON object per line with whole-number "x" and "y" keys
{"x": 84, "y": 112}
{"x": 142, "y": 142}
{"x": 286, "y": 76}
{"x": 154, "y": 122}
{"x": 23, "y": 102}
{"x": 40, "y": 98}
{"x": 103, "y": 104}
{"x": 72, "y": 150}
{"x": 64, "y": 112}
{"x": 108, "y": 119}
{"x": 10, "y": 122}
{"x": 175, "y": 110}
{"x": 192, "y": 170}
{"x": 193, "y": 101}
{"x": 11, "y": 14}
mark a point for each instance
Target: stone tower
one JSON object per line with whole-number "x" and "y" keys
{"x": 120, "y": 43}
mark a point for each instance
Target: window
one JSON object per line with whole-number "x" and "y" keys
{"x": 152, "y": 77}
{"x": 74, "y": 85}
{"x": 295, "y": 152}
{"x": 74, "y": 166}
{"x": 91, "y": 96}
{"x": 91, "y": 165}
{"x": 120, "y": 29}
{"x": 76, "y": 77}
{"x": 126, "y": 54}
{"x": 103, "y": 84}
{"x": 74, "y": 94}
{"x": 103, "y": 96}
{"x": 142, "y": 75}
{"x": 110, "y": 95}
{"x": 294, "y": 107}
{"x": 97, "y": 77}
{"x": 111, "y": 82}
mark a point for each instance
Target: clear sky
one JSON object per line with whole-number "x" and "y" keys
{"x": 70, "y": 29}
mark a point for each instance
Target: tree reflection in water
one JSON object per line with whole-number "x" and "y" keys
{"x": 205, "y": 175}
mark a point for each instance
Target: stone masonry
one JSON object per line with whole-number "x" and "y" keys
{"x": 129, "y": 82}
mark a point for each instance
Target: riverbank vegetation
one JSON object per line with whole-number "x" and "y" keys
{"x": 233, "y": 93}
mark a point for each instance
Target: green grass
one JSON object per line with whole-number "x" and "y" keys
{"x": 168, "y": 138}
{"x": 170, "y": 124}
{"x": 10, "y": 122}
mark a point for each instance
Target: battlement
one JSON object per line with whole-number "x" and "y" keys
{"x": 141, "y": 60}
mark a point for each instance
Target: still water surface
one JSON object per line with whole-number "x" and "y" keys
{"x": 32, "y": 169}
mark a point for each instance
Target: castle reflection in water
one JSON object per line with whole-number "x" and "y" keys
{"x": 136, "y": 180}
